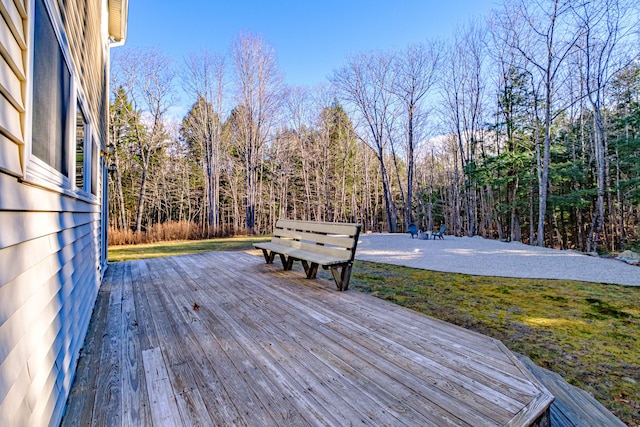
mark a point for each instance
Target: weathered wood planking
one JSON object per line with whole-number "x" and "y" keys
{"x": 108, "y": 402}
{"x": 164, "y": 411}
{"x": 238, "y": 364}
{"x": 267, "y": 347}
{"x": 134, "y": 387}
{"x": 84, "y": 387}
{"x": 268, "y": 341}
{"x": 572, "y": 406}
{"x": 274, "y": 373}
{"x": 172, "y": 334}
{"x": 394, "y": 354}
{"x": 323, "y": 354}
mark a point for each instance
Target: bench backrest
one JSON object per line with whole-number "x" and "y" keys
{"x": 335, "y": 239}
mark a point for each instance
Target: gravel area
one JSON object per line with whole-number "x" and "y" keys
{"x": 479, "y": 256}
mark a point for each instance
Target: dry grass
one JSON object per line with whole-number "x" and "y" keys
{"x": 165, "y": 232}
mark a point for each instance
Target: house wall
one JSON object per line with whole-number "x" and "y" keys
{"x": 50, "y": 235}
{"x": 12, "y": 77}
{"x": 82, "y": 21}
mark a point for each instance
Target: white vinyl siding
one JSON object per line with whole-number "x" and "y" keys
{"x": 12, "y": 84}
{"x": 47, "y": 292}
{"x": 51, "y": 239}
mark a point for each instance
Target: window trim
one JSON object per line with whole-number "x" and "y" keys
{"x": 37, "y": 171}
{"x": 88, "y": 141}
{"x": 95, "y": 171}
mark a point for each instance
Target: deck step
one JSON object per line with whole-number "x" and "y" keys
{"x": 572, "y": 407}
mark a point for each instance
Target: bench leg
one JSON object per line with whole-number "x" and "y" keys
{"x": 311, "y": 270}
{"x": 342, "y": 275}
{"x": 287, "y": 263}
{"x": 268, "y": 256}
{"x": 290, "y": 261}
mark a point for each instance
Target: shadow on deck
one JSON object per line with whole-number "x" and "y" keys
{"x": 223, "y": 339}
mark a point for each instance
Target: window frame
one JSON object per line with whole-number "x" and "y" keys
{"x": 37, "y": 171}
{"x": 95, "y": 171}
{"x": 90, "y": 150}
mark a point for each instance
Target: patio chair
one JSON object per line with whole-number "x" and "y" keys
{"x": 440, "y": 233}
{"x": 413, "y": 230}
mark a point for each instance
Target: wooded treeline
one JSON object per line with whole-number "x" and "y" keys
{"x": 524, "y": 127}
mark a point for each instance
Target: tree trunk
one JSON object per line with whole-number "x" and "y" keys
{"x": 142, "y": 193}
{"x": 119, "y": 193}
{"x": 543, "y": 184}
{"x": 410, "y": 169}
{"x": 389, "y": 204}
{"x": 250, "y": 198}
{"x": 599, "y": 148}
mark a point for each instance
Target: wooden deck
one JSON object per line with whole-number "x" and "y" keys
{"x": 225, "y": 339}
{"x": 572, "y": 407}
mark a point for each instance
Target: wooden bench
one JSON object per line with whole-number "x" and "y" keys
{"x": 331, "y": 245}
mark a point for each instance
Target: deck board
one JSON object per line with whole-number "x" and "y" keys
{"x": 84, "y": 387}
{"x": 384, "y": 356}
{"x": 180, "y": 365}
{"x": 573, "y": 406}
{"x": 108, "y": 402}
{"x": 225, "y": 339}
{"x": 134, "y": 387}
{"x": 290, "y": 341}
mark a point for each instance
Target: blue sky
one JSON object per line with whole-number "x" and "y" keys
{"x": 311, "y": 38}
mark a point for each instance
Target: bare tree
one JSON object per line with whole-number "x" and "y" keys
{"x": 415, "y": 74}
{"x": 298, "y": 111}
{"x": 336, "y": 142}
{"x": 258, "y": 94}
{"x": 147, "y": 76}
{"x": 365, "y": 84}
{"x": 122, "y": 124}
{"x": 204, "y": 78}
{"x": 515, "y": 108}
{"x": 542, "y": 34}
{"x": 602, "y": 35}
{"x": 463, "y": 86}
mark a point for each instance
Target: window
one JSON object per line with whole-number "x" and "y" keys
{"x": 51, "y": 95}
{"x": 95, "y": 167}
{"x": 64, "y": 155}
{"x": 81, "y": 132}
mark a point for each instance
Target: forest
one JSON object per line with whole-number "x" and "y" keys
{"x": 522, "y": 126}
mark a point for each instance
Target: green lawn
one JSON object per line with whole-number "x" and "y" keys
{"x": 587, "y": 332}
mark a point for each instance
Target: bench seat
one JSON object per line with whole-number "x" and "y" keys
{"x": 314, "y": 244}
{"x": 300, "y": 254}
